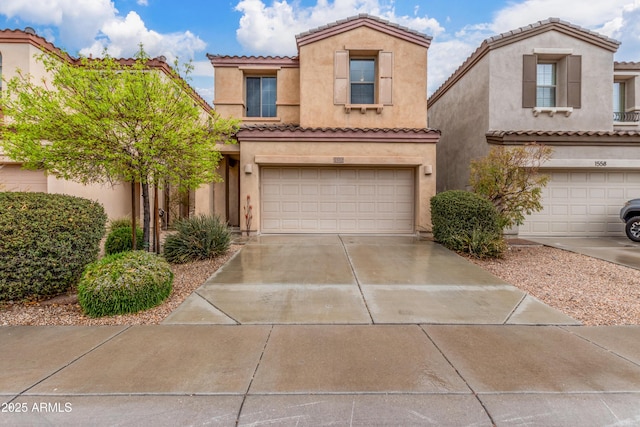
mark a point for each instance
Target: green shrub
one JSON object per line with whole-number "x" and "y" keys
{"x": 126, "y": 282}
{"x": 466, "y": 222}
{"x": 197, "y": 238}
{"x": 119, "y": 240}
{"x": 47, "y": 241}
{"x": 119, "y": 223}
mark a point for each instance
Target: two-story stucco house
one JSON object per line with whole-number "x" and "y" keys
{"x": 556, "y": 84}
{"x": 334, "y": 139}
{"x": 19, "y": 51}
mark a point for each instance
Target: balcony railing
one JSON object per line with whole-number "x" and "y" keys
{"x": 631, "y": 116}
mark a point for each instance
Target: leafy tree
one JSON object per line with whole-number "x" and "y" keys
{"x": 109, "y": 120}
{"x": 510, "y": 179}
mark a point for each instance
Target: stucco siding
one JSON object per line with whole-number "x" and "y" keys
{"x": 317, "y": 108}
{"x": 462, "y": 114}
{"x": 506, "y": 86}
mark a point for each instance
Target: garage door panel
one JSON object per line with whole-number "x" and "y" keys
{"x": 583, "y": 203}
{"x": 336, "y": 199}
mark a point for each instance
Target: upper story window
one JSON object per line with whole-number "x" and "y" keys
{"x": 261, "y": 96}
{"x": 363, "y": 79}
{"x": 552, "y": 81}
{"x": 618, "y": 97}
{"x": 546, "y": 85}
{"x": 362, "y": 76}
{"x": 0, "y": 71}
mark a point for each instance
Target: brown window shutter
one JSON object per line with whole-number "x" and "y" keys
{"x": 341, "y": 77}
{"x": 385, "y": 70}
{"x": 574, "y": 81}
{"x": 529, "y": 74}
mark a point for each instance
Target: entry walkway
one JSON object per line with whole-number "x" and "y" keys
{"x": 341, "y": 279}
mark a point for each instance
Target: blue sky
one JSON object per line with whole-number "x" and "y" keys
{"x": 189, "y": 29}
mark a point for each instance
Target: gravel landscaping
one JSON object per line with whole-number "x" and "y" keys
{"x": 593, "y": 291}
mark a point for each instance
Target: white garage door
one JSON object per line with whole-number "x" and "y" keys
{"x": 14, "y": 178}
{"x": 331, "y": 200}
{"x": 583, "y": 203}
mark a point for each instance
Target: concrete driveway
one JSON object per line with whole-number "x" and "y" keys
{"x": 345, "y": 279}
{"x": 618, "y": 250}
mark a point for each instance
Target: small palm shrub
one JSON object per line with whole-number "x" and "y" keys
{"x": 119, "y": 240}
{"x": 125, "y": 282}
{"x": 197, "y": 238}
{"x": 466, "y": 222}
{"x": 46, "y": 241}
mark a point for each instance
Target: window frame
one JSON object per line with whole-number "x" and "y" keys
{"x": 261, "y": 91}
{"x": 546, "y": 84}
{"x": 383, "y": 78}
{"x": 363, "y": 82}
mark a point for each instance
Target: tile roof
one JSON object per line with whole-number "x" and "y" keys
{"x": 294, "y": 132}
{"x": 237, "y": 61}
{"x": 363, "y": 19}
{"x": 565, "y": 137}
{"x": 29, "y": 36}
{"x": 521, "y": 33}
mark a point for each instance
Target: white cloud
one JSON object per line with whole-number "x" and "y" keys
{"x": 272, "y": 29}
{"x": 90, "y": 26}
{"x": 593, "y": 14}
{"x": 122, "y": 36}
{"x": 78, "y": 21}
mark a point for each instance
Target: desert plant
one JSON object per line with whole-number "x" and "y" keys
{"x": 197, "y": 238}
{"x": 466, "y": 222}
{"x": 119, "y": 240}
{"x": 47, "y": 241}
{"x": 119, "y": 223}
{"x": 481, "y": 244}
{"x": 126, "y": 282}
{"x": 510, "y": 179}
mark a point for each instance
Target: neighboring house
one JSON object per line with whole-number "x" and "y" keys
{"x": 19, "y": 50}
{"x": 557, "y": 84}
{"x": 334, "y": 139}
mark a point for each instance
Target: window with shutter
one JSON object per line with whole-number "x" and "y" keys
{"x": 363, "y": 78}
{"x": 552, "y": 82}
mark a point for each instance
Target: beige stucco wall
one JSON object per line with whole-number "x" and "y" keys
{"x": 462, "y": 115}
{"x": 116, "y": 200}
{"x": 20, "y": 56}
{"x": 383, "y": 154}
{"x": 317, "y": 107}
{"x": 229, "y": 93}
{"x": 506, "y": 86}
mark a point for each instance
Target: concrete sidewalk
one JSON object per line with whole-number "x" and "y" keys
{"x": 320, "y": 375}
{"x": 618, "y": 250}
{"x": 331, "y": 330}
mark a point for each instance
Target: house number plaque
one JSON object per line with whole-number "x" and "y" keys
{"x": 338, "y": 160}
{"x": 600, "y": 163}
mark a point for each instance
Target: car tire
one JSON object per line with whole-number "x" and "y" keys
{"x": 633, "y": 228}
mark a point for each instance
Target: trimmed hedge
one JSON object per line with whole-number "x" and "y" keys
{"x": 119, "y": 240}
{"x": 47, "y": 241}
{"x": 125, "y": 282}
{"x": 466, "y": 222}
{"x": 197, "y": 238}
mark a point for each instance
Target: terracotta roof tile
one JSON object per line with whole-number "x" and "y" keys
{"x": 362, "y": 19}
{"x": 295, "y": 133}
